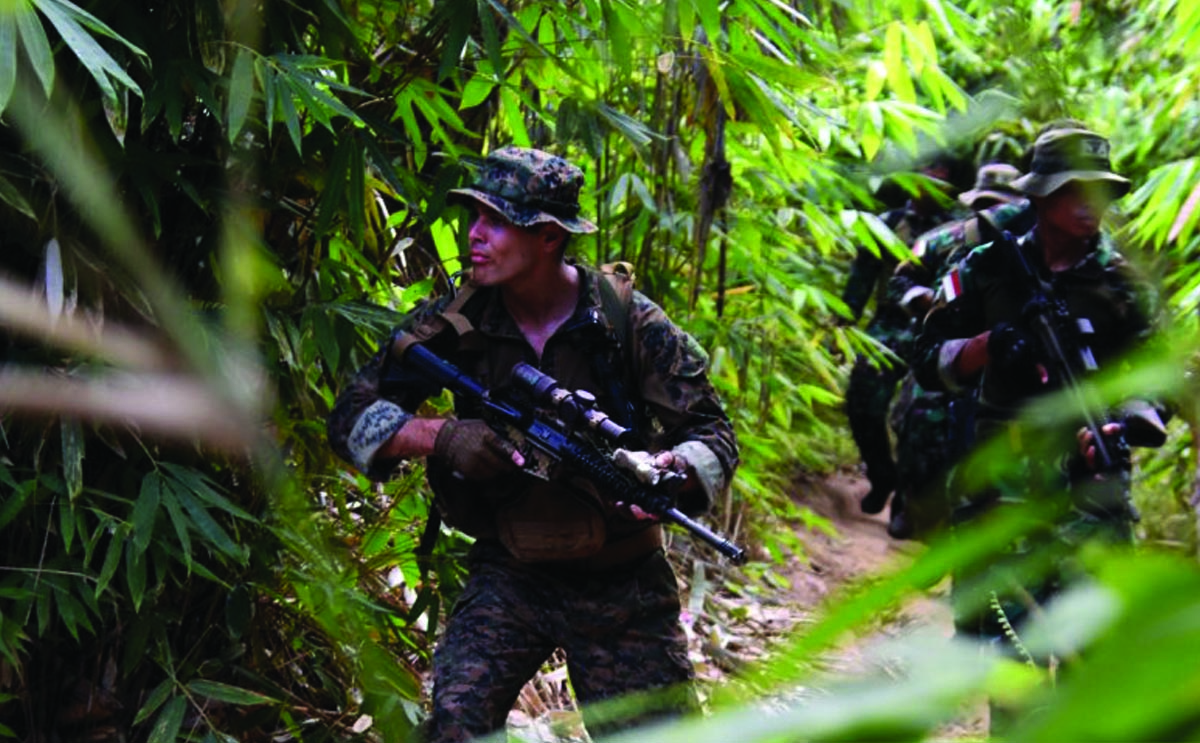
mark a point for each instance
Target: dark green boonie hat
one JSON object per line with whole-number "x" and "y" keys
{"x": 1063, "y": 155}
{"x": 993, "y": 181}
{"x": 528, "y": 187}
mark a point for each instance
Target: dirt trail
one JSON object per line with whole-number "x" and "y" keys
{"x": 862, "y": 548}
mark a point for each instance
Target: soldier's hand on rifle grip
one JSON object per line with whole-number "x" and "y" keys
{"x": 1012, "y": 357}
{"x": 1112, "y": 440}
{"x": 472, "y": 449}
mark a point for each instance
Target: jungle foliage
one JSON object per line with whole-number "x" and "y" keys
{"x": 213, "y": 211}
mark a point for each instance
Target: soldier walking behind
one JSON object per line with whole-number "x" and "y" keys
{"x": 984, "y": 329}
{"x": 933, "y": 429}
{"x": 871, "y": 387}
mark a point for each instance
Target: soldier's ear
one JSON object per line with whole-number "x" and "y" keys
{"x": 552, "y": 236}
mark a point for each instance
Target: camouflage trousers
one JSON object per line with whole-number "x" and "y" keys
{"x": 868, "y": 397}
{"x": 619, "y": 630}
{"x": 932, "y": 432}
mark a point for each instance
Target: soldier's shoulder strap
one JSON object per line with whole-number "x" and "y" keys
{"x": 616, "y": 297}
{"x": 451, "y": 316}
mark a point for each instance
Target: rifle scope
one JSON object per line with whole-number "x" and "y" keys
{"x": 571, "y": 407}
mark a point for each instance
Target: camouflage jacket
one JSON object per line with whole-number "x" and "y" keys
{"x": 869, "y": 272}
{"x": 675, "y": 405}
{"x": 990, "y": 287}
{"x": 938, "y": 249}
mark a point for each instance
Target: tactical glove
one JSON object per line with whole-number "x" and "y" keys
{"x": 472, "y": 449}
{"x": 1013, "y": 359}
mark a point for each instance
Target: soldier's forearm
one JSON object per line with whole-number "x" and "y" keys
{"x": 414, "y": 439}
{"x": 972, "y": 357}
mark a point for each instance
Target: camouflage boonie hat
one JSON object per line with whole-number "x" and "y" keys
{"x": 993, "y": 181}
{"x": 1063, "y": 155}
{"x": 528, "y": 187}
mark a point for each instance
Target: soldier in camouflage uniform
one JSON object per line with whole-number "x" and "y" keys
{"x": 979, "y": 333}
{"x": 934, "y": 428}
{"x": 871, "y": 388}
{"x": 555, "y": 564}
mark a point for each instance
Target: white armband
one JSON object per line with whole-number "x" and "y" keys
{"x": 374, "y": 427}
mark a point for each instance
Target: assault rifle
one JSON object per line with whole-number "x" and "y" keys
{"x": 568, "y": 437}
{"x": 1050, "y": 319}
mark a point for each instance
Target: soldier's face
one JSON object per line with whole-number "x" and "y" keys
{"x": 1077, "y": 208}
{"x": 500, "y": 250}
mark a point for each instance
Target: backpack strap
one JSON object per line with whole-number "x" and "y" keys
{"x": 616, "y": 301}
{"x": 616, "y": 297}
{"x": 450, "y": 317}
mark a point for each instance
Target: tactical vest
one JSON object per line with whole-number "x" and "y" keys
{"x": 565, "y": 518}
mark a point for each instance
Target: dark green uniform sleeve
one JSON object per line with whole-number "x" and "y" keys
{"x": 673, "y": 382}
{"x": 365, "y": 415}
{"x": 949, "y": 325}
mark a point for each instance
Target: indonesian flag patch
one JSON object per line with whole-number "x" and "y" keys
{"x": 952, "y": 285}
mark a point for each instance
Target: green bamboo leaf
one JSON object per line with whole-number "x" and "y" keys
{"x": 893, "y": 57}
{"x": 135, "y": 575}
{"x": 167, "y": 726}
{"x": 72, "y": 614}
{"x": 100, "y": 65}
{"x": 90, "y": 21}
{"x": 643, "y": 193}
{"x": 154, "y": 701}
{"x": 334, "y": 192}
{"x": 404, "y": 110}
{"x": 265, "y": 72}
{"x": 618, "y": 36}
{"x": 357, "y": 190}
{"x": 313, "y": 102}
{"x": 15, "y": 501}
{"x": 104, "y": 525}
{"x": 67, "y": 524}
{"x": 231, "y": 694}
{"x": 491, "y": 39}
{"x": 145, "y": 510}
{"x": 383, "y": 165}
{"x": 322, "y": 326}
{"x": 620, "y": 189}
{"x": 710, "y": 19}
{"x": 876, "y": 76}
{"x": 212, "y": 532}
{"x": 241, "y": 93}
{"x": 516, "y": 26}
{"x": 514, "y": 117}
{"x": 8, "y": 56}
{"x": 37, "y": 46}
{"x": 72, "y": 453}
{"x": 476, "y": 91}
{"x": 116, "y": 546}
{"x": 287, "y": 112}
{"x": 461, "y": 18}
{"x": 205, "y": 489}
{"x": 638, "y": 134}
{"x": 44, "y": 602}
{"x": 10, "y": 195}
{"x": 180, "y": 522}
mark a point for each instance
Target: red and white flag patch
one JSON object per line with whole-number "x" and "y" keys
{"x": 952, "y": 285}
